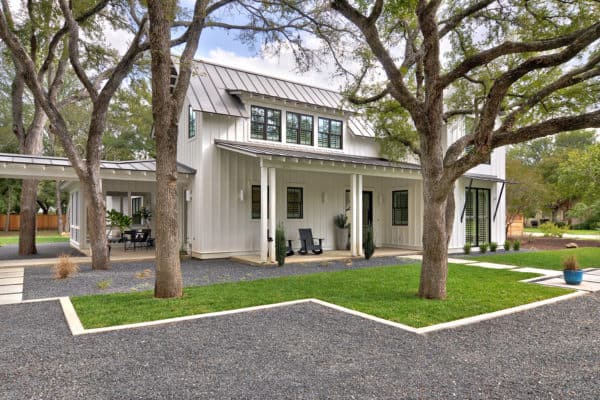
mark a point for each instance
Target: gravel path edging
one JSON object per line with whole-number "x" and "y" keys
{"x": 77, "y": 328}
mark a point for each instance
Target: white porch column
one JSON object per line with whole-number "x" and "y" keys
{"x": 272, "y": 214}
{"x": 353, "y": 207}
{"x": 359, "y": 217}
{"x": 263, "y": 214}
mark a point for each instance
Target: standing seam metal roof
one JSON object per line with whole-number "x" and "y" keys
{"x": 211, "y": 86}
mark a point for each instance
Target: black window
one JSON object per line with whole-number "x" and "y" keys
{"x": 400, "y": 207}
{"x": 265, "y": 124}
{"x": 256, "y": 202}
{"x": 294, "y": 203}
{"x": 191, "y": 122}
{"x": 299, "y": 129}
{"x": 330, "y": 133}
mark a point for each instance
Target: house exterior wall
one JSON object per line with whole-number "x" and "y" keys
{"x": 219, "y": 222}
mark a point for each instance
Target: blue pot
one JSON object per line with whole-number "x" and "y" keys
{"x": 573, "y": 277}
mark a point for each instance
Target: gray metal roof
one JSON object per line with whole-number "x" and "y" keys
{"x": 262, "y": 150}
{"x": 214, "y": 88}
{"x": 132, "y": 165}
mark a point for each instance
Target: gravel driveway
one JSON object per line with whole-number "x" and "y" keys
{"x": 304, "y": 351}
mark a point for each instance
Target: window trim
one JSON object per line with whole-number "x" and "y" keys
{"x": 400, "y": 223}
{"x": 191, "y": 122}
{"x": 299, "y": 129}
{"x": 329, "y": 134}
{"x": 265, "y": 124}
{"x": 300, "y": 203}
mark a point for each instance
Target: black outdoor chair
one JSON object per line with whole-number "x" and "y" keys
{"x": 139, "y": 239}
{"x": 308, "y": 243}
{"x": 288, "y": 250}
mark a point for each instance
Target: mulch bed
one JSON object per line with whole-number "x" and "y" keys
{"x": 546, "y": 243}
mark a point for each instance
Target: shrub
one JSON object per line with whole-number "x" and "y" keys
{"x": 493, "y": 246}
{"x": 507, "y": 245}
{"x": 369, "y": 245}
{"x": 570, "y": 263}
{"x": 483, "y": 247}
{"x": 341, "y": 220}
{"x": 550, "y": 229}
{"x": 516, "y": 245}
{"x": 467, "y": 248}
{"x": 280, "y": 247}
{"x": 65, "y": 267}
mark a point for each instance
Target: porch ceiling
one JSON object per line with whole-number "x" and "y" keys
{"x": 25, "y": 166}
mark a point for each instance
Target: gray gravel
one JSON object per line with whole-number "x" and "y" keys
{"x": 304, "y": 352}
{"x": 38, "y": 282}
{"x": 45, "y": 250}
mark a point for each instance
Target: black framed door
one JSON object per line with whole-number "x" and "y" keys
{"x": 367, "y": 202}
{"x": 477, "y": 216}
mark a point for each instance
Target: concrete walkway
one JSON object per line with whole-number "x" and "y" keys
{"x": 567, "y": 236}
{"x": 11, "y": 285}
{"x": 591, "y": 276}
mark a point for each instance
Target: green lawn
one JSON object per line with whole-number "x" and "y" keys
{"x": 41, "y": 237}
{"x": 386, "y": 292}
{"x": 570, "y": 231}
{"x": 552, "y": 259}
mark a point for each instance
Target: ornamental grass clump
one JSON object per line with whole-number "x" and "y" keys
{"x": 570, "y": 263}
{"x": 493, "y": 246}
{"x": 280, "y": 247}
{"x": 467, "y": 248}
{"x": 483, "y": 247}
{"x": 369, "y": 243}
{"x": 65, "y": 267}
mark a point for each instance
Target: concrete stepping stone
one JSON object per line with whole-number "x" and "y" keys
{"x": 491, "y": 265}
{"x": 17, "y": 280}
{"x": 11, "y": 298}
{"x": 545, "y": 272}
{"x": 460, "y": 261}
{"x": 413, "y": 257}
{"x": 7, "y": 271}
{"x": 560, "y": 282}
{"x": 595, "y": 271}
{"x": 9, "y": 289}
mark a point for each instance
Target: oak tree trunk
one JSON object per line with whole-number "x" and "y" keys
{"x": 168, "y": 281}
{"x": 96, "y": 221}
{"x": 27, "y": 219}
{"x": 59, "y": 214}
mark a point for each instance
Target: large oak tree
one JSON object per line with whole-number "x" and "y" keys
{"x": 522, "y": 69}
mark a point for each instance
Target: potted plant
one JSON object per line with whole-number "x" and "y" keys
{"x": 341, "y": 231}
{"x": 572, "y": 273}
{"x": 144, "y": 215}
{"x": 118, "y": 219}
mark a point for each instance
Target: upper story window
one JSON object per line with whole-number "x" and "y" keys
{"x": 299, "y": 129}
{"x": 330, "y": 133}
{"x": 265, "y": 124}
{"x": 191, "y": 122}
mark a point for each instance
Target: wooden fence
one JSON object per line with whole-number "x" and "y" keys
{"x": 43, "y": 222}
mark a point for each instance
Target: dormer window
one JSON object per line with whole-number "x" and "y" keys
{"x": 299, "y": 129}
{"x": 265, "y": 124}
{"x": 191, "y": 122}
{"x": 330, "y": 133}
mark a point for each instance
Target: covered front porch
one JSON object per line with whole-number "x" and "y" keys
{"x": 306, "y": 190}
{"x": 327, "y": 256}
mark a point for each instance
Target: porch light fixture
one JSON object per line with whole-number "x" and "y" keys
{"x": 242, "y": 195}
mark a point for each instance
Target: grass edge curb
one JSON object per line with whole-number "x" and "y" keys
{"x": 77, "y": 328}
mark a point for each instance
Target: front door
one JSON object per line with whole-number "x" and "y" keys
{"x": 367, "y": 211}
{"x": 477, "y": 228}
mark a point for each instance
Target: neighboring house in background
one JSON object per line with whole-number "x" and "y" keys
{"x": 270, "y": 151}
{"x": 256, "y": 151}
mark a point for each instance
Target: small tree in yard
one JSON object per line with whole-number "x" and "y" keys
{"x": 519, "y": 69}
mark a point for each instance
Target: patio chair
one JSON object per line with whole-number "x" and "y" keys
{"x": 139, "y": 239}
{"x": 309, "y": 243}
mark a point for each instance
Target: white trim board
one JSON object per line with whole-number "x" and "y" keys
{"x": 77, "y": 328}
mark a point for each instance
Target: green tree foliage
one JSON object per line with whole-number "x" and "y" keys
{"x": 579, "y": 174}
